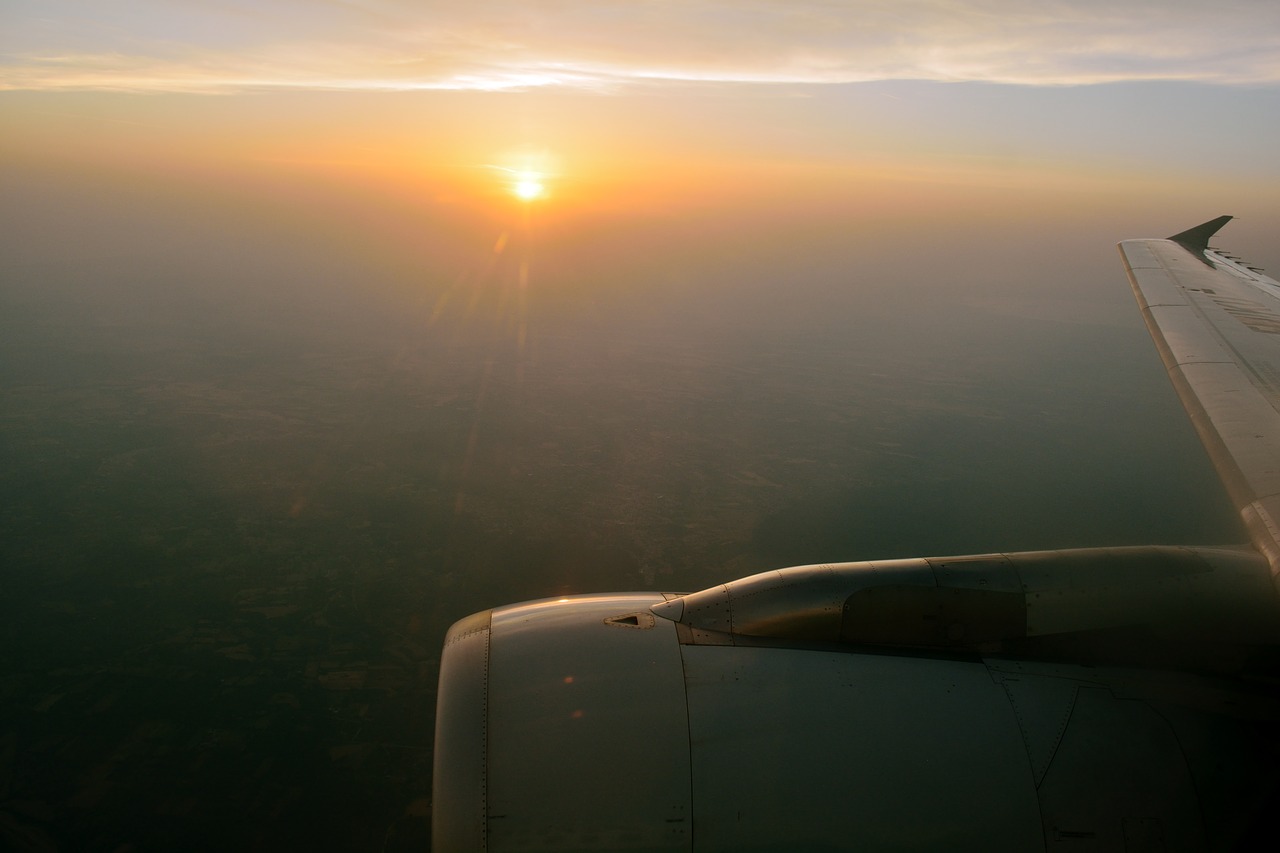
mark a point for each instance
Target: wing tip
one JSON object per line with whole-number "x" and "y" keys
{"x": 1197, "y": 239}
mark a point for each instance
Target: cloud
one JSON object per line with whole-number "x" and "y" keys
{"x": 207, "y": 46}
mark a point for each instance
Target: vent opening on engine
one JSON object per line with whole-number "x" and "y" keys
{"x": 631, "y": 620}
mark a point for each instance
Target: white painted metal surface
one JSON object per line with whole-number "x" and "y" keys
{"x": 588, "y": 744}
{"x": 1217, "y": 326}
{"x": 801, "y": 750}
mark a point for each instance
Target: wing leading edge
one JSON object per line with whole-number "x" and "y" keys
{"x": 1216, "y": 323}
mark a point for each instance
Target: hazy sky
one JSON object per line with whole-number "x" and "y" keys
{"x": 409, "y": 124}
{"x": 160, "y": 45}
{"x": 683, "y": 98}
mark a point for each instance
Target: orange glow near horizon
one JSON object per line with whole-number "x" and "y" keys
{"x": 379, "y": 170}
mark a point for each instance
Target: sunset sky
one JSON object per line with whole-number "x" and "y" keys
{"x": 399, "y": 45}
{"x": 891, "y": 101}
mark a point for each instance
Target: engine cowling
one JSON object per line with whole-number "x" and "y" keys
{"x": 589, "y": 723}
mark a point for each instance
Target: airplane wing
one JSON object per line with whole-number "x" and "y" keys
{"x": 1216, "y": 323}
{"x": 1090, "y": 699}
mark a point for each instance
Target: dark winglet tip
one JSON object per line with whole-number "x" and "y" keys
{"x": 1197, "y": 239}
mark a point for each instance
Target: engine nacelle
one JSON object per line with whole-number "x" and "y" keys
{"x": 587, "y": 723}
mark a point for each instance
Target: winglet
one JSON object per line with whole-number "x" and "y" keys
{"x": 1196, "y": 240}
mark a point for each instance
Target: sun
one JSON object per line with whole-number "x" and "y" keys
{"x": 528, "y": 186}
{"x": 530, "y": 178}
